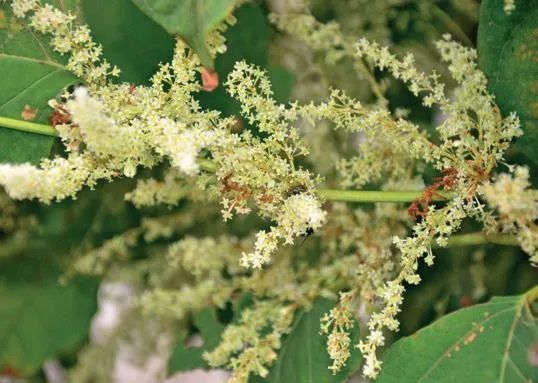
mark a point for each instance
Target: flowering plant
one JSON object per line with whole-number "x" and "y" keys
{"x": 272, "y": 183}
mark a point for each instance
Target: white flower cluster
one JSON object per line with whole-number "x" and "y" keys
{"x": 471, "y": 146}
{"x": 21, "y": 7}
{"x": 517, "y": 205}
{"x": 337, "y": 324}
{"x": 441, "y": 223}
{"x": 116, "y": 129}
{"x": 203, "y": 256}
{"x": 56, "y": 179}
{"x": 402, "y": 69}
{"x": 97, "y": 261}
{"x": 182, "y": 145}
{"x": 301, "y": 215}
{"x": 138, "y": 134}
{"x": 256, "y": 351}
{"x": 102, "y": 135}
{"x": 173, "y": 188}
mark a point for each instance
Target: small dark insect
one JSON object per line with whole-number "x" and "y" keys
{"x": 295, "y": 189}
{"x": 309, "y": 231}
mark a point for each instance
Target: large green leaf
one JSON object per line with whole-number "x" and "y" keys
{"x": 192, "y": 20}
{"x": 189, "y": 358}
{"x": 486, "y": 343}
{"x": 303, "y": 357}
{"x": 31, "y": 74}
{"x": 38, "y": 317}
{"x": 130, "y": 39}
{"x": 508, "y": 47}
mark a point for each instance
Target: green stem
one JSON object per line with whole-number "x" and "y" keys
{"x": 27, "y": 126}
{"x": 480, "y": 238}
{"x": 373, "y": 195}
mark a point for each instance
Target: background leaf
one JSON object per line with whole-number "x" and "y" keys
{"x": 303, "y": 357}
{"x": 508, "y": 47}
{"x": 32, "y": 74}
{"x": 189, "y": 358}
{"x": 130, "y": 39}
{"x": 490, "y": 342}
{"x": 39, "y": 318}
{"x": 192, "y": 20}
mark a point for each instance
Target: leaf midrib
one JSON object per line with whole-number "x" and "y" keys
{"x": 30, "y": 59}
{"x": 511, "y": 332}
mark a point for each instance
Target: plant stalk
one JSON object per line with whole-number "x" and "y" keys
{"x": 375, "y": 195}
{"x": 480, "y": 238}
{"x": 27, "y": 126}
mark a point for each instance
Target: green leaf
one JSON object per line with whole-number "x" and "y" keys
{"x": 508, "y": 47}
{"x": 189, "y": 358}
{"x": 192, "y": 20}
{"x": 130, "y": 39}
{"x": 32, "y": 74}
{"x": 39, "y": 319}
{"x": 303, "y": 357}
{"x": 282, "y": 82}
{"x": 490, "y": 342}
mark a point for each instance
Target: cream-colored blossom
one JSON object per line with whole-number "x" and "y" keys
{"x": 21, "y": 7}
{"x": 517, "y": 205}
{"x": 301, "y": 214}
{"x": 56, "y": 179}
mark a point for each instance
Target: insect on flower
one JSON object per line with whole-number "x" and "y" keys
{"x": 295, "y": 190}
